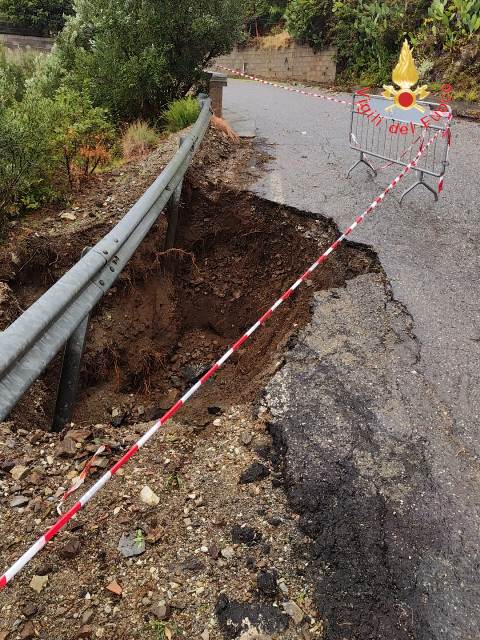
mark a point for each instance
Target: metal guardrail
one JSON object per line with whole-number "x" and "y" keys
{"x": 30, "y": 343}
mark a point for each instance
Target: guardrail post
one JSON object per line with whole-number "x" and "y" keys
{"x": 217, "y": 82}
{"x": 70, "y": 376}
{"x": 172, "y": 214}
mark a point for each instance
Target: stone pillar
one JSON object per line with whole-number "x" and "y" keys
{"x": 217, "y": 82}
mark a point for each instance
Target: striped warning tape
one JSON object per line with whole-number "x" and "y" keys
{"x": 285, "y": 87}
{"x": 63, "y": 520}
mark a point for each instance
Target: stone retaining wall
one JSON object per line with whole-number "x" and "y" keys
{"x": 16, "y": 43}
{"x": 292, "y": 62}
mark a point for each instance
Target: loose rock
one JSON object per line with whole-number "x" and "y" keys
{"x": 19, "y": 501}
{"x": 160, "y": 611}
{"x": 132, "y": 544}
{"x": 28, "y": 631}
{"x": 254, "y": 472}
{"x": 38, "y": 583}
{"x": 149, "y": 497}
{"x": 115, "y": 588}
{"x": 245, "y": 535}
{"x": 18, "y": 472}
{"x": 267, "y": 583}
{"x": 293, "y": 610}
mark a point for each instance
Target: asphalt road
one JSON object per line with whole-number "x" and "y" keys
{"x": 379, "y": 422}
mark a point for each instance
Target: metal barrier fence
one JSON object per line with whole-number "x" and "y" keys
{"x": 375, "y": 134}
{"x": 29, "y": 344}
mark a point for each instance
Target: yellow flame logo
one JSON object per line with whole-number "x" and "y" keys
{"x": 405, "y": 76}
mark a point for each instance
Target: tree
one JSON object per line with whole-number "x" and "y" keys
{"x": 136, "y": 56}
{"x": 44, "y": 16}
{"x": 309, "y": 20}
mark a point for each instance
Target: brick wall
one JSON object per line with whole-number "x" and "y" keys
{"x": 292, "y": 62}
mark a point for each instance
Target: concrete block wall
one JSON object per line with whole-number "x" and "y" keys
{"x": 16, "y": 43}
{"x": 292, "y": 62}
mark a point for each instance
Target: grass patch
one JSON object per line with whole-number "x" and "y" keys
{"x": 180, "y": 114}
{"x": 275, "y": 41}
{"x": 139, "y": 138}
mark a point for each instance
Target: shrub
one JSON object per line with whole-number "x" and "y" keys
{"x": 14, "y": 75}
{"x": 181, "y": 114}
{"x": 82, "y": 134}
{"x": 308, "y": 21}
{"x": 138, "y": 139}
{"x": 136, "y": 57}
{"x": 27, "y": 157}
{"x": 44, "y": 16}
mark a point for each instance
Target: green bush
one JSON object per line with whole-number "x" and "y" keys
{"x": 309, "y": 20}
{"x": 44, "y": 16}
{"x": 136, "y": 56}
{"x": 27, "y": 156}
{"x": 14, "y": 75}
{"x": 181, "y": 114}
{"x": 453, "y": 20}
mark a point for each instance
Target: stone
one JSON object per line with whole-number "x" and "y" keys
{"x": 246, "y": 438}
{"x": 256, "y": 471}
{"x": 214, "y": 551}
{"x": 71, "y": 549}
{"x": 67, "y": 448}
{"x": 79, "y": 435}
{"x": 87, "y": 616}
{"x": 86, "y": 631}
{"x": 241, "y": 534}
{"x": 293, "y": 610}
{"x": 228, "y": 553}
{"x": 67, "y": 215}
{"x": 29, "y": 610}
{"x": 217, "y": 422}
{"x": 118, "y": 420}
{"x": 38, "y": 583}
{"x": 267, "y": 583}
{"x": 28, "y": 631}
{"x": 205, "y": 635}
{"x": 236, "y": 618}
{"x": 193, "y": 565}
{"x": 283, "y": 587}
{"x": 18, "y": 472}
{"x": 132, "y": 544}
{"x": 160, "y": 611}
{"x": 149, "y": 497}
{"x": 215, "y": 411}
{"x": 115, "y": 588}
{"x": 18, "y": 501}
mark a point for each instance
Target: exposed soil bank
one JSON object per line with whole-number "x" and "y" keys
{"x": 172, "y": 314}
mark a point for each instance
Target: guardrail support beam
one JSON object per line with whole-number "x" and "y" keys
{"x": 70, "y": 375}
{"x": 172, "y": 213}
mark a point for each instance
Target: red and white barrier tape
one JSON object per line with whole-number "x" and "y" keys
{"x": 286, "y": 88}
{"x": 332, "y": 99}
{"x": 61, "y": 522}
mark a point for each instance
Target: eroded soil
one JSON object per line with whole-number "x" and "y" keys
{"x": 169, "y": 317}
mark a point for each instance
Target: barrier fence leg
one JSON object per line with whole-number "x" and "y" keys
{"x": 362, "y": 159}
{"x": 422, "y": 182}
{"x": 172, "y": 214}
{"x": 70, "y": 376}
